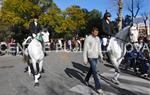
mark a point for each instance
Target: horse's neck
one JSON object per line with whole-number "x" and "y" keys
{"x": 37, "y": 43}
{"x": 123, "y": 34}
{"x": 116, "y": 46}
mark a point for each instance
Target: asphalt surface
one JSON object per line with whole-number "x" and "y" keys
{"x": 64, "y": 75}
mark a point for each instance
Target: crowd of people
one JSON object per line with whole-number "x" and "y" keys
{"x": 137, "y": 57}
{"x": 75, "y": 44}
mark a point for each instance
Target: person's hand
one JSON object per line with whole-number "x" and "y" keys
{"x": 85, "y": 62}
{"x": 101, "y": 59}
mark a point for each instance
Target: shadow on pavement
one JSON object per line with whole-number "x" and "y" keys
{"x": 130, "y": 72}
{"x": 80, "y": 67}
{"x": 120, "y": 91}
{"x": 72, "y": 73}
{"x": 5, "y": 67}
{"x": 55, "y": 88}
{"x": 109, "y": 65}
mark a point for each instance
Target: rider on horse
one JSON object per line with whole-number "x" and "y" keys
{"x": 106, "y": 31}
{"x": 34, "y": 29}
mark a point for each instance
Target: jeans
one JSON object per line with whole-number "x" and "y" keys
{"x": 131, "y": 63}
{"x": 92, "y": 71}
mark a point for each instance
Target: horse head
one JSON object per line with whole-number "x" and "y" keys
{"x": 43, "y": 36}
{"x": 133, "y": 33}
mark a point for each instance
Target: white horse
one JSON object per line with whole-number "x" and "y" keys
{"x": 35, "y": 53}
{"x": 116, "y": 48}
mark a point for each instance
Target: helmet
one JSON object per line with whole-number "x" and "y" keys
{"x": 107, "y": 14}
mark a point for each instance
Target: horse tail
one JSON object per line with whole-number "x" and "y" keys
{"x": 25, "y": 56}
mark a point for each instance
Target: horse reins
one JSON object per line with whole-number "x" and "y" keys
{"x": 120, "y": 39}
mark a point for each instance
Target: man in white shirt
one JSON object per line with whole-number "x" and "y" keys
{"x": 91, "y": 53}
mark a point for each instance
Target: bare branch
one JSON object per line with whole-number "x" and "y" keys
{"x": 130, "y": 9}
{"x": 134, "y": 7}
{"x": 137, "y": 11}
{"x": 145, "y": 16}
{"x": 138, "y": 3}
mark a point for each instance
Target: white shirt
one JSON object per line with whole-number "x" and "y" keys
{"x": 92, "y": 48}
{"x": 35, "y": 23}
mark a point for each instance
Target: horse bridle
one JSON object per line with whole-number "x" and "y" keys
{"x": 125, "y": 40}
{"x": 120, "y": 39}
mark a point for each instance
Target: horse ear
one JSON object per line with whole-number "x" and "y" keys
{"x": 45, "y": 30}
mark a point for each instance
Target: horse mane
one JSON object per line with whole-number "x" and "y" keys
{"x": 120, "y": 36}
{"x": 123, "y": 33}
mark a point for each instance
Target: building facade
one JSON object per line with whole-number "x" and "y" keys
{"x": 144, "y": 30}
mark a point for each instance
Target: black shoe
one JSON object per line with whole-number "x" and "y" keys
{"x": 45, "y": 54}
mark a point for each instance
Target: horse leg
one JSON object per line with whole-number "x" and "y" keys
{"x": 40, "y": 66}
{"x": 36, "y": 76}
{"x": 117, "y": 71}
{"x": 115, "y": 78}
{"x": 29, "y": 67}
{"x": 29, "y": 70}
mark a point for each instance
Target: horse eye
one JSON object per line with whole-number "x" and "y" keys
{"x": 131, "y": 34}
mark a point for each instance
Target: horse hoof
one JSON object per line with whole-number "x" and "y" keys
{"x": 36, "y": 84}
{"x": 26, "y": 69}
{"x": 144, "y": 75}
{"x": 43, "y": 71}
{"x": 39, "y": 77}
{"x": 115, "y": 81}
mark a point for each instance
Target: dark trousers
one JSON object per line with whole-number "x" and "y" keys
{"x": 131, "y": 63}
{"x": 92, "y": 71}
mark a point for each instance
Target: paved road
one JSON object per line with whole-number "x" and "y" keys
{"x": 64, "y": 74}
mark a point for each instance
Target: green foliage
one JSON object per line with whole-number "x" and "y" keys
{"x": 76, "y": 17}
{"x": 53, "y": 18}
{"x": 94, "y": 19}
{"x": 20, "y": 12}
{"x": 68, "y": 23}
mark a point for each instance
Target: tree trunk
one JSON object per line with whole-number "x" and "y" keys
{"x": 120, "y": 7}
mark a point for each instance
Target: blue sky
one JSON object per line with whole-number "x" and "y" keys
{"x": 100, "y": 5}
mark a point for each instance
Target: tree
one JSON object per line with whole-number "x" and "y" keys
{"x": 94, "y": 19}
{"x": 120, "y": 7}
{"x": 52, "y": 19}
{"x": 134, "y": 7}
{"x": 74, "y": 20}
{"x": 119, "y": 4}
{"x": 5, "y": 33}
{"x": 18, "y": 13}
{"x": 145, "y": 18}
